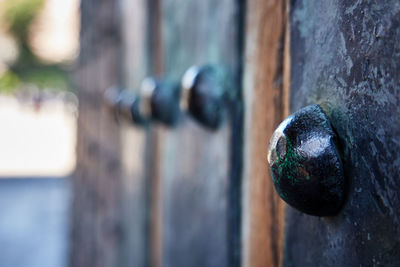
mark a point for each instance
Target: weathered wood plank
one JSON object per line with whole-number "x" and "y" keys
{"x": 138, "y": 146}
{"x": 96, "y": 183}
{"x": 195, "y": 163}
{"x": 265, "y": 89}
{"x": 156, "y": 69}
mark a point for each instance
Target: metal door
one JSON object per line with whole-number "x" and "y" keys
{"x": 345, "y": 56}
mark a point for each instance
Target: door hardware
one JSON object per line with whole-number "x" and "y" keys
{"x": 305, "y": 164}
{"x": 203, "y": 94}
{"x": 124, "y": 104}
{"x": 156, "y": 101}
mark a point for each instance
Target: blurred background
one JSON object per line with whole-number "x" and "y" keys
{"x": 93, "y": 191}
{"x": 39, "y": 41}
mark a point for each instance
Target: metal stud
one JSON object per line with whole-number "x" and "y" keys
{"x": 156, "y": 101}
{"x": 124, "y": 104}
{"x": 203, "y": 95}
{"x": 305, "y": 163}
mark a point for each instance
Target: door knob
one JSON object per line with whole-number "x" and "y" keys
{"x": 305, "y": 164}
{"x": 203, "y": 94}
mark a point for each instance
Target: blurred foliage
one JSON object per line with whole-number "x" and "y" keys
{"x": 9, "y": 82}
{"x": 49, "y": 78}
{"x": 17, "y": 16}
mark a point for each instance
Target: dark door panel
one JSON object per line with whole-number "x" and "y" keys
{"x": 346, "y": 57}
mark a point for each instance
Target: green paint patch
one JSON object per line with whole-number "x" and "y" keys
{"x": 288, "y": 166}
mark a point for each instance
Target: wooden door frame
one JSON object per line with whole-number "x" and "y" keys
{"x": 266, "y": 94}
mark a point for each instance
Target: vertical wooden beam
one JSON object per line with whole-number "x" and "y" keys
{"x": 134, "y": 151}
{"x": 193, "y": 163}
{"x": 96, "y": 183}
{"x": 265, "y": 90}
{"x": 155, "y": 52}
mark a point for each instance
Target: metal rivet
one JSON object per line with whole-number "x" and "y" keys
{"x": 203, "y": 94}
{"x": 124, "y": 104}
{"x": 305, "y": 164}
{"x": 156, "y": 101}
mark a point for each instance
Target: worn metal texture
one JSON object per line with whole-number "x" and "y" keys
{"x": 346, "y": 57}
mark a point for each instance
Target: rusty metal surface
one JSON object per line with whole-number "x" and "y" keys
{"x": 346, "y": 57}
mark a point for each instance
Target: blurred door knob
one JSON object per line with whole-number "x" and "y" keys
{"x": 157, "y": 101}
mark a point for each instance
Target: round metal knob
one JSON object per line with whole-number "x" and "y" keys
{"x": 203, "y": 95}
{"x": 305, "y": 164}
